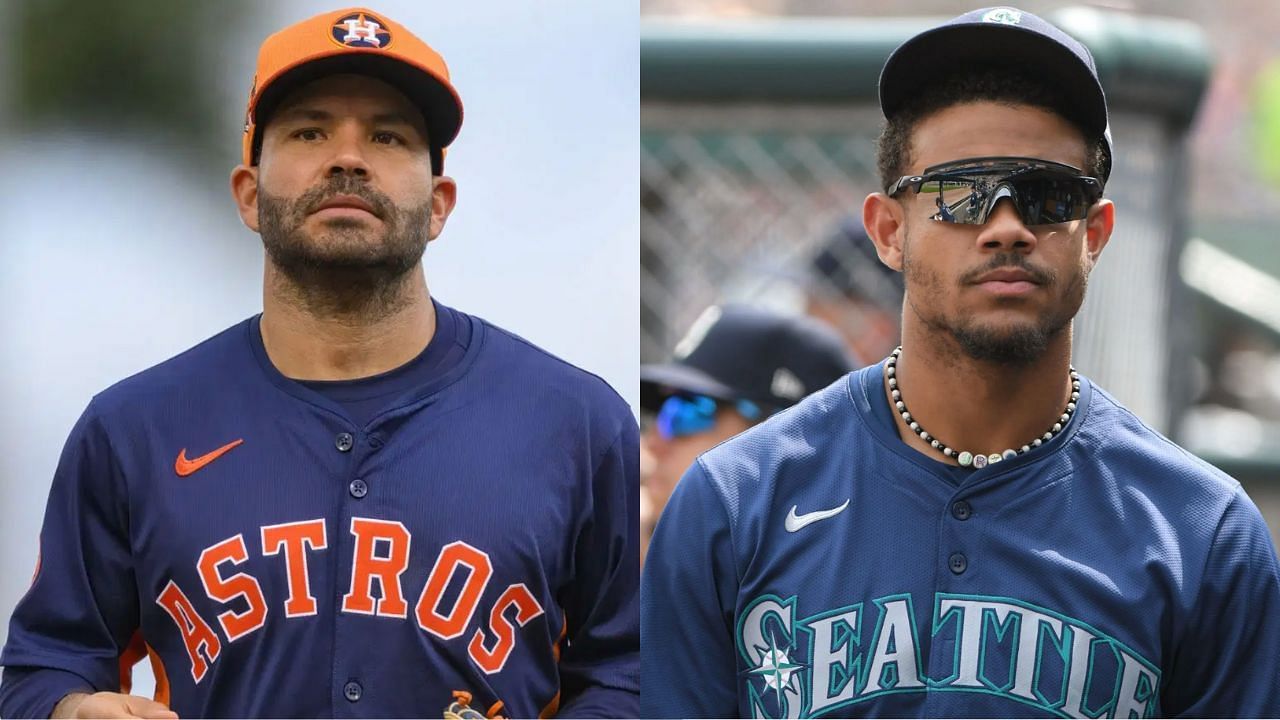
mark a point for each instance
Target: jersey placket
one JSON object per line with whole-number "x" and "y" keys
{"x": 959, "y": 524}
{"x": 349, "y": 685}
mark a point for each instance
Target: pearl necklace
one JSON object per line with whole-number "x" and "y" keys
{"x": 966, "y": 458}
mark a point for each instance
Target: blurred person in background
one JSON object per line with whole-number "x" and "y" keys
{"x": 852, "y": 291}
{"x": 230, "y": 512}
{"x": 737, "y": 366}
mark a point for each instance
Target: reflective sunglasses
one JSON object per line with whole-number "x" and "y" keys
{"x": 966, "y": 191}
{"x": 684, "y": 415}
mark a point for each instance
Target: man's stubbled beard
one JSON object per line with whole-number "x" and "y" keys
{"x": 348, "y": 267}
{"x": 1010, "y": 346}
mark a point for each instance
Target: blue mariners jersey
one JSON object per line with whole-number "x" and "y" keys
{"x": 274, "y": 558}
{"x": 816, "y": 565}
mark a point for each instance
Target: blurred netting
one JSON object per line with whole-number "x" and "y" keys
{"x": 736, "y": 200}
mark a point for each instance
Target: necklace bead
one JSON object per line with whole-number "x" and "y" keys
{"x": 964, "y": 457}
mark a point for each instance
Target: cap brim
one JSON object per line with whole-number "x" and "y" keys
{"x": 658, "y": 381}
{"x": 440, "y": 106}
{"x": 919, "y": 59}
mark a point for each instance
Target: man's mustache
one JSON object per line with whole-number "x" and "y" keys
{"x": 1040, "y": 276}
{"x": 312, "y": 199}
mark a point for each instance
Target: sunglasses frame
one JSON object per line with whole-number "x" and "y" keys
{"x": 1008, "y": 170}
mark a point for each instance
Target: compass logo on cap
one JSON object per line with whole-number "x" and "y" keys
{"x": 697, "y": 332}
{"x": 1004, "y": 16}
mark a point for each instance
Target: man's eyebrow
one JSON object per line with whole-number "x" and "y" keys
{"x": 317, "y": 115}
{"x": 394, "y": 118}
{"x": 305, "y": 113}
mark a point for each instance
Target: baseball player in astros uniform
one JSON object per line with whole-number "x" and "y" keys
{"x": 361, "y": 502}
{"x": 969, "y": 527}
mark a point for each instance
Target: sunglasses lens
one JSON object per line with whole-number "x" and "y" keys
{"x": 1054, "y": 200}
{"x": 1040, "y": 200}
{"x": 680, "y": 416}
{"x": 959, "y": 200}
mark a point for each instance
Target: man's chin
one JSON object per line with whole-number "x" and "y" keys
{"x": 1009, "y": 343}
{"x": 359, "y": 246}
{"x": 344, "y": 258}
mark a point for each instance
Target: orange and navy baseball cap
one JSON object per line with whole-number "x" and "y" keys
{"x": 357, "y": 41}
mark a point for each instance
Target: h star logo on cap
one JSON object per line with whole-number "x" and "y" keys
{"x": 361, "y": 30}
{"x": 1004, "y": 16}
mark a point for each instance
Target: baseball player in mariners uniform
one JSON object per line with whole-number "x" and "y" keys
{"x": 970, "y": 527}
{"x": 361, "y": 502}
{"x": 736, "y": 366}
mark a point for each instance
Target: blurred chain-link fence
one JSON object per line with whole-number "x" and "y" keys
{"x": 736, "y": 201}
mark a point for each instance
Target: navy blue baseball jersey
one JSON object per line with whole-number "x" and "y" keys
{"x": 275, "y": 558}
{"x": 819, "y": 566}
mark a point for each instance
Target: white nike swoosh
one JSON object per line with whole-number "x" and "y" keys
{"x": 795, "y": 522}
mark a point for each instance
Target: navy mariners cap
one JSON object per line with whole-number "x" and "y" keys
{"x": 738, "y": 352}
{"x": 1005, "y": 36}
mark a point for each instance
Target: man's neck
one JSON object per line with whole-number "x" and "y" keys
{"x": 976, "y": 406}
{"x": 307, "y": 340}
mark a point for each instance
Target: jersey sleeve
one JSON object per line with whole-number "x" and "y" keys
{"x": 1227, "y": 663}
{"x": 67, "y": 632}
{"x": 599, "y": 666}
{"x": 688, "y": 599}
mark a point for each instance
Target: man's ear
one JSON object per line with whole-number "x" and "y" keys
{"x": 244, "y": 190}
{"x": 444, "y": 196}
{"x": 1098, "y": 226}
{"x": 883, "y": 219}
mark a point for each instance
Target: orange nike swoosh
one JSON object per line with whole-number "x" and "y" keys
{"x": 185, "y": 467}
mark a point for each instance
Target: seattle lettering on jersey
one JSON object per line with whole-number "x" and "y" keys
{"x": 381, "y": 556}
{"x": 1000, "y": 646}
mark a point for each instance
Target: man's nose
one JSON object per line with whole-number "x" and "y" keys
{"x": 348, "y": 157}
{"x": 1004, "y": 230}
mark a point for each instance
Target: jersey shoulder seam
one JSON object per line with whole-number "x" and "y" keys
{"x": 730, "y": 520}
{"x": 551, "y": 356}
{"x": 1213, "y": 542}
{"x": 168, "y": 363}
{"x": 1156, "y": 436}
{"x": 95, "y": 417}
{"x": 617, "y": 438}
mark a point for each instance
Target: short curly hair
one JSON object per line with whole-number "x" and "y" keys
{"x": 995, "y": 84}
